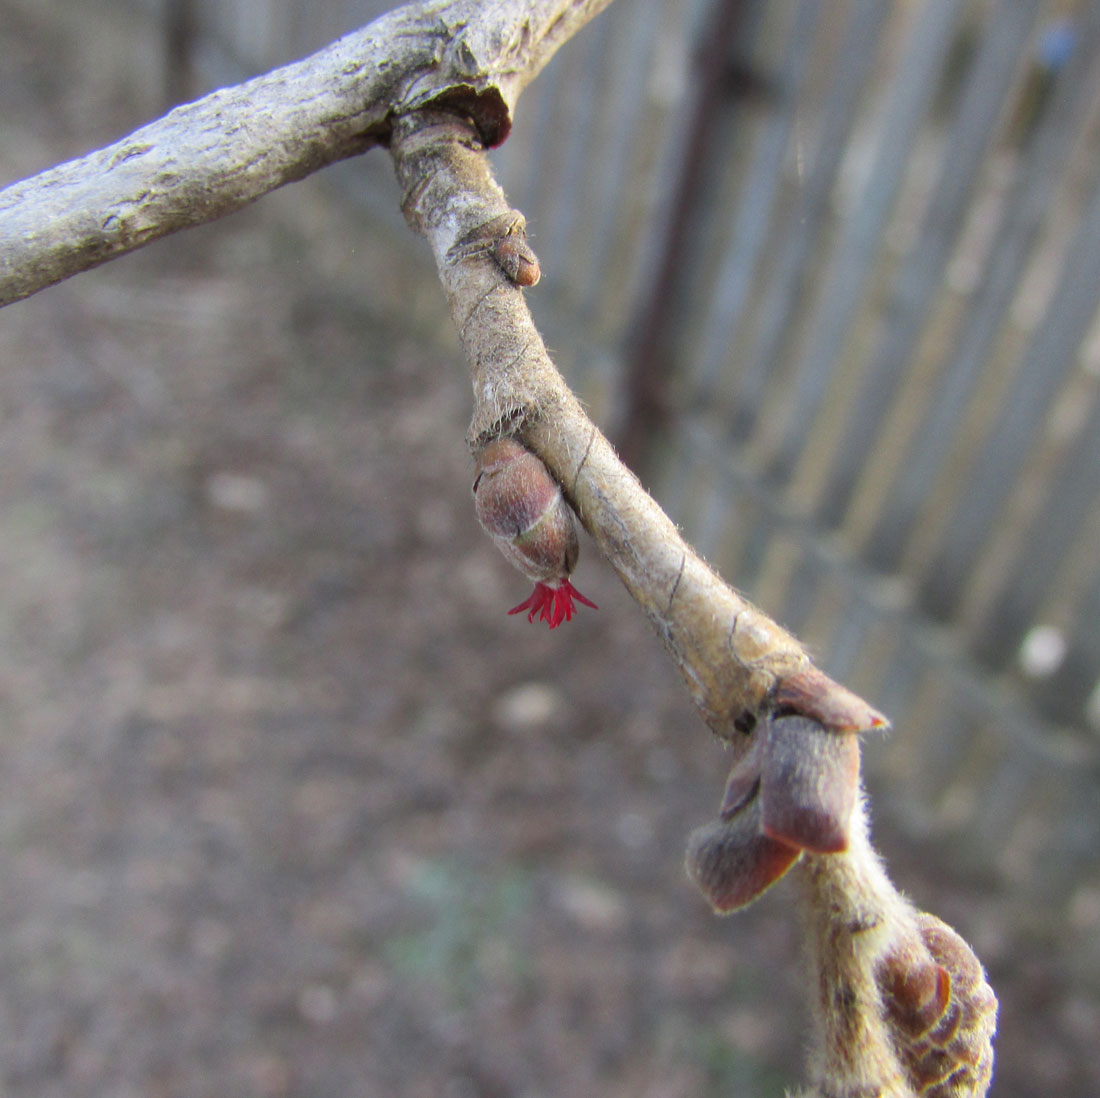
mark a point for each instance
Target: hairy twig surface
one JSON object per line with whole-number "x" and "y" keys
{"x": 901, "y": 1005}
{"x": 738, "y": 664}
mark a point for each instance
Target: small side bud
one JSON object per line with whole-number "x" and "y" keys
{"x": 504, "y": 238}
{"x": 520, "y": 506}
{"x": 515, "y": 258}
{"x": 811, "y": 693}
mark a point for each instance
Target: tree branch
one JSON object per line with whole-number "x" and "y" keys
{"x": 211, "y": 157}
{"x": 738, "y": 664}
{"x": 902, "y": 1005}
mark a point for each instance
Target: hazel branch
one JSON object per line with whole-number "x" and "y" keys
{"x": 738, "y": 664}
{"x": 902, "y": 1006}
{"x": 211, "y": 157}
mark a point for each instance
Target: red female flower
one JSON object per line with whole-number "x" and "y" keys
{"x": 552, "y": 604}
{"x": 520, "y": 506}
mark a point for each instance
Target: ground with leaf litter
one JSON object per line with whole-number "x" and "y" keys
{"x": 289, "y": 806}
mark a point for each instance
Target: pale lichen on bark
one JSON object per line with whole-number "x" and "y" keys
{"x": 208, "y": 158}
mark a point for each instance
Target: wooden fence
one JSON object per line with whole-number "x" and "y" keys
{"x": 831, "y": 273}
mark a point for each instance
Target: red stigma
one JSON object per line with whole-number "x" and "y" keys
{"x": 553, "y": 605}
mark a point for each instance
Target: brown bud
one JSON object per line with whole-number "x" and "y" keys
{"x": 809, "y": 784}
{"x": 941, "y": 1012}
{"x": 731, "y": 860}
{"x": 811, "y": 693}
{"x": 515, "y": 258}
{"x": 944, "y": 1014}
{"x": 520, "y": 506}
{"x": 504, "y": 238}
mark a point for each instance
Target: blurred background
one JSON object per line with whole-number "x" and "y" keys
{"x": 288, "y": 806}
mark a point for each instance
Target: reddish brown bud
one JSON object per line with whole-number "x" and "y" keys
{"x": 732, "y": 861}
{"x": 516, "y": 259}
{"x": 504, "y": 238}
{"x": 806, "y": 779}
{"x": 942, "y": 1013}
{"x": 520, "y": 506}
{"x": 811, "y": 693}
{"x": 809, "y": 784}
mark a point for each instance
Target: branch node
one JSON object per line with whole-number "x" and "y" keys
{"x": 504, "y": 238}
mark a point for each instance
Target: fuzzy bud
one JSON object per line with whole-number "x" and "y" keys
{"x": 520, "y": 506}
{"x": 515, "y": 258}
{"x": 941, "y": 1011}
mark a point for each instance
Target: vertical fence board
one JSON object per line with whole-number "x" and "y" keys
{"x": 751, "y": 366}
{"x": 728, "y": 298}
{"x": 1036, "y": 181}
{"x": 1066, "y": 694}
{"x": 850, "y": 266}
{"x": 1052, "y": 354}
{"x": 1048, "y": 540}
{"x": 921, "y": 274}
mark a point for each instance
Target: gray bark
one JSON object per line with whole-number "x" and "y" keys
{"x": 211, "y": 157}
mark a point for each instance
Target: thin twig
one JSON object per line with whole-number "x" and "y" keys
{"x": 739, "y": 665}
{"x": 902, "y": 1005}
